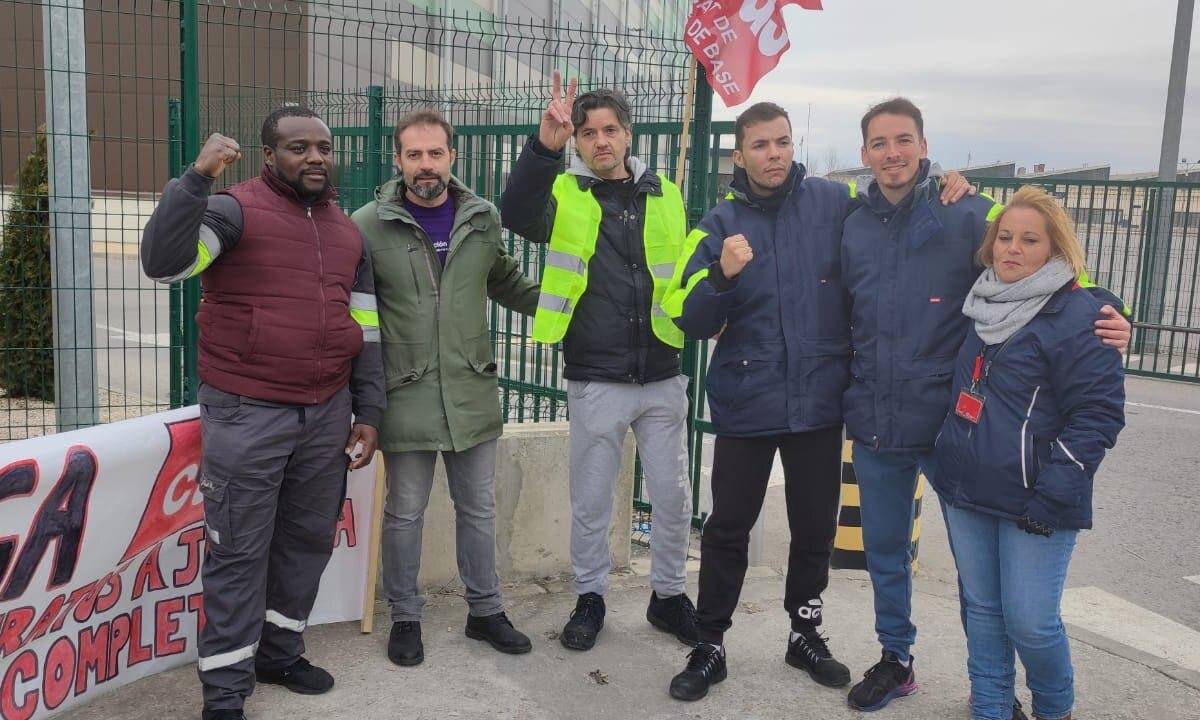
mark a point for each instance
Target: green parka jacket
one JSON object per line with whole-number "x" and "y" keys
{"x": 437, "y": 351}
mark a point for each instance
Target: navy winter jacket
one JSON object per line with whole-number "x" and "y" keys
{"x": 1054, "y": 402}
{"x": 907, "y": 269}
{"x": 783, "y": 360}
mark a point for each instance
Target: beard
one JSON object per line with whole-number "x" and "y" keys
{"x": 428, "y": 192}
{"x": 303, "y": 191}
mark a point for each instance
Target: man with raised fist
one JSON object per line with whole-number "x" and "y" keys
{"x": 763, "y": 272}
{"x": 288, "y": 352}
{"x": 615, "y": 231}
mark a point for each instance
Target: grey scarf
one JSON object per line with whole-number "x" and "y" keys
{"x": 999, "y": 309}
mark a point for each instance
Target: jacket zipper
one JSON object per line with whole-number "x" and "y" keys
{"x": 412, "y": 267}
{"x": 628, "y": 224}
{"x": 437, "y": 291}
{"x": 1024, "y": 426}
{"x": 321, "y": 283}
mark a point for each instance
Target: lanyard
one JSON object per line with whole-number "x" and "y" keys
{"x": 978, "y": 373}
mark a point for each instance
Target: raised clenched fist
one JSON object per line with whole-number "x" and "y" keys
{"x": 218, "y": 153}
{"x": 735, "y": 254}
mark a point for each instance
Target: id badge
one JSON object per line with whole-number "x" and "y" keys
{"x": 969, "y": 406}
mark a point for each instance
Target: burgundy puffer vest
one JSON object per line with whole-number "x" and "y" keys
{"x": 275, "y": 315}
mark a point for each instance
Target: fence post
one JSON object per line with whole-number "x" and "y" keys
{"x": 189, "y": 60}
{"x": 376, "y": 159}
{"x": 175, "y": 169}
{"x": 69, "y": 174}
{"x": 699, "y": 196}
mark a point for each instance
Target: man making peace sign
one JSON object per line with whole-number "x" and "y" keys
{"x": 615, "y": 231}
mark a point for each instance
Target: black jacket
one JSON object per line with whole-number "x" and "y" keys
{"x": 609, "y": 338}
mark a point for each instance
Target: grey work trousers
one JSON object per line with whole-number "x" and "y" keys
{"x": 471, "y": 475}
{"x": 273, "y": 478}
{"x": 601, "y": 413}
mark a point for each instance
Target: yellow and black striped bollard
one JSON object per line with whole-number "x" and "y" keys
{"x": 848, "y": 551}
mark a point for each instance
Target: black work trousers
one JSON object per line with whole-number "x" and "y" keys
{"x": 812, "y": 482}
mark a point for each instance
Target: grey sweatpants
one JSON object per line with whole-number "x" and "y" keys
{"x": 601, "y": 414}
{"x": 273, "y": 478}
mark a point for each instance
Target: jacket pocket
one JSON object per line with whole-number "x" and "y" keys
{"x": 922, "y": 397}
{"x": 215, "y": 491}
{"x": 479, "y": 354}
{"x": 826, "y": 377}
{"x": 228, "y": 330}
{"x": 747, "y": 389}
{"x": 404, "y": 362}
{"x": 1028, "y": 446}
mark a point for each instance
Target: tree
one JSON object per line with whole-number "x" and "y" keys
{"x": 832, "y": 160}
{"x": 26, "y": 315}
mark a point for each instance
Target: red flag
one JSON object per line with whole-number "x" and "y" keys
{"x": 739, "y": 41}
{"x": 175, "y": 501}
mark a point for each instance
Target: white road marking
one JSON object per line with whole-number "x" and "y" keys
{"x": 1117, "y": 619}
{"x": 1193, "y": 578}
{"x": 1163, "y": 407}
{"x": 145, "y": 339}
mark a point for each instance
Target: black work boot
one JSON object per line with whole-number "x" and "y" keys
{"x": 810, "y": 653}
{"x": 676, "y": 615}
{"x": 223, "y": 714}
{"x": 587, "y": 619}
{"x": 498, "y": 632}
{"x": 404, "y": 644}
{"x": 706, "y": 667}
{"x": 300, "y": 677}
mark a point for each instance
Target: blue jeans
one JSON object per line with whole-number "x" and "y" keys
{"x": 1012, "y": 584}
{"x": 886, "y": 484}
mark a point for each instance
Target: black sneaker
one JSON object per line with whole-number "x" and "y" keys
{"x": 676, "y": 615}
{"x": 587, "y": 619}
{"x": 884, "y": 682}
{"x": 300, "y": 677}
{"x": 499, "y": 632}
{"x": 404, "y": 644}
{"x": 706, "y": 667}
{"x": 222, "y": 715}
{"x": 810, "y": 653}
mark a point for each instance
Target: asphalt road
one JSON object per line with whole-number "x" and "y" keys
{"x": 1143, "y": 548}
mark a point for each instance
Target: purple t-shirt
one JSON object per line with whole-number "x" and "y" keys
{"x": 437, "y": 222}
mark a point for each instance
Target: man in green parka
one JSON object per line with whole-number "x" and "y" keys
{"x": 438, "y": 256}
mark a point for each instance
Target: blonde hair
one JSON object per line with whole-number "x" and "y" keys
{"x": 1063, "y": 242}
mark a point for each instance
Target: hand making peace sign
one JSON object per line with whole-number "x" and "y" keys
{"x": 556, "y": 125}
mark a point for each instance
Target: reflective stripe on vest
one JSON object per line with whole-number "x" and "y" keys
{"x": 573, "y": 242}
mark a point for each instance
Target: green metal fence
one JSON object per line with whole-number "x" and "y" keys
{"x": 160, "y": 75}
{"x": 1143, "y": 243}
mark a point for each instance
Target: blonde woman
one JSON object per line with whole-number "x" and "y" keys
{"x": 1037, "y": 401}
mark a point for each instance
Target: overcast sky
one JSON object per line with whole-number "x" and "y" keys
{"x": 1066, "y": 83}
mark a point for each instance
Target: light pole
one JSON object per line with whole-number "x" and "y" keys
{"x": 1157, "y": 251}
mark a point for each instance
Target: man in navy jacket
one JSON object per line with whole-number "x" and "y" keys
{"x": 763, "y": 271}
{"x": 907, "y": 262}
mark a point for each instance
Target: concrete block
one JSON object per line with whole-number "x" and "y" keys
{"x": 533, "y": 510}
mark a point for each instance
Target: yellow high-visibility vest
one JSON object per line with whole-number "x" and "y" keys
{"x": 573, "y": 242}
